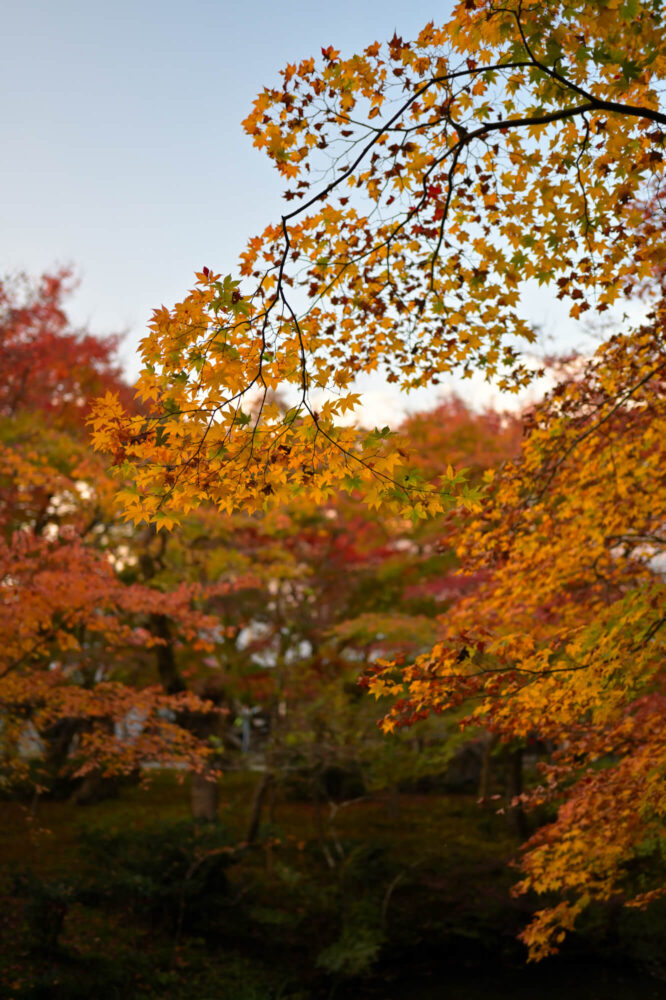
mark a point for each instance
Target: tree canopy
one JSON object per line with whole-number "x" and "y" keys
{"x": 77, "y": 693}
{"x": 428, "y": 182}
{"x": 431, "y": 180}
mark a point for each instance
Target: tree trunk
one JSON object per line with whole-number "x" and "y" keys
{"x": 486, "y": 767}
{"x": 258, "y": 805}
{"x": 204, "y": 796}
{"x": 170, "y": 677}
{"x": 514, "y": 787}
{"x": 93, "y": 789}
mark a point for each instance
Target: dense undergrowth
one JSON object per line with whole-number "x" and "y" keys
{"x": 386, "y": 897}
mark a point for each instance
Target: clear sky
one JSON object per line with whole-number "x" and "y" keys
{"x": 123, "y": 153}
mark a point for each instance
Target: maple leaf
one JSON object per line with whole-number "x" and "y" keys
{"x": 511, "y": 152}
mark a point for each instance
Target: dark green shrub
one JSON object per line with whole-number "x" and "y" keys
{"x": 46, "y": 904}
{"x": 174, "y": 874}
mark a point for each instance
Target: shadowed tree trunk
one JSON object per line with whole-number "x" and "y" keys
{"x": 203, "y": 784}
{"x": 258, "y": 801}
{"x": 204, "y": 796}
{"x": 486, "y": 766}
{"x": 514, "y": 787}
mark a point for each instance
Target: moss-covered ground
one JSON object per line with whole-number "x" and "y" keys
{"x": 396, "y": 897}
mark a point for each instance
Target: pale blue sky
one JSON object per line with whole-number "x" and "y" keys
{"x": 124, "y": 155}
{"x": 123, "y": 151}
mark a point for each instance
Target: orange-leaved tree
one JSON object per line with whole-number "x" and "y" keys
{"x": 562, "y": 638}
{"x": 430, "y": 180}
{"x": 76, "y": 644}
{"x": 511, "y": 144}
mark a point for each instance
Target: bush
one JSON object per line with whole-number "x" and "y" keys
{"x": 46, "y": 905}
{"x": 175, "y": 874}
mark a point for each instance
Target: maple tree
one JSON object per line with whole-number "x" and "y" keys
{"x": 48, "y": 366}
{"x": 561, "y": 635}
{"x": 332, "y": 587}
{"x": 521, "y": 142}
{"x": 509, "y": 145}
{"x": 76, "y": 635}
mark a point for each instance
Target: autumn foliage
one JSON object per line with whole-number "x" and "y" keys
{"x": 48, "y": 366}
{"x": 77, "y": 693}
{"x": 427, "y": 182}
{"x": 561, "y": 638}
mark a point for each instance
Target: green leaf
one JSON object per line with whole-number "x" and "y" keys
{"x": 629, "y": 10}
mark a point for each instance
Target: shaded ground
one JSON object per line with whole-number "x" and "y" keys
{"x": 403, "y": 897}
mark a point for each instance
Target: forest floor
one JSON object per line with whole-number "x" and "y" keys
{"x": 389, "y": 897}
